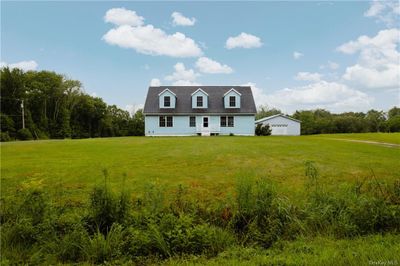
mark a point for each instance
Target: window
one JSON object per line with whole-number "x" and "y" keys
{"x": 199, "y": 100}
{"x": 162, "y": 121}
{"x": 223, "y": 121}
{"x": 230, "y": 121}
{"x": 169, "y": 121}
{"x": 232, "y": 101}
{"x": 192, "y": 121}
{"x": 166, "y": 121}
{"x": 227, "y": 121}
{"x": 167, "y": 101}
{"x": 205, "y": 121}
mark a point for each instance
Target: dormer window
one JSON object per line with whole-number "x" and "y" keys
{"x": 232, "y": 101}
{"x": 199, "y": 101}
{"x": 167, "y": 101}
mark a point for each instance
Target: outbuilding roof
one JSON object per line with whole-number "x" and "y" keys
{"x": 215, "y": 100}
{"x": 273, "y": 116}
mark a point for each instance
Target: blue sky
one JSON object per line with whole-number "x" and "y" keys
{"x": 347, "y": 54}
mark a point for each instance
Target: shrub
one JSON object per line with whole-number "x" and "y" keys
{"x": 70, "y": 247}
{"x": 107, "y": 209}
{"x": 262, "y": 130}
{"x": 24, "y": 134}
{"x": 4, "y": 136}
{"x": 100, "y": 248}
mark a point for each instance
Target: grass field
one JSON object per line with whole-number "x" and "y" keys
{"x": 209, "y": 165}
{"x": 209, "y": 168}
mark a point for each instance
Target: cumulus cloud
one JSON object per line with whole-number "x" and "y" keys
{"x": 336, "y": 97}
{"x": 133, "y": 108}
{"x": 180, "y": 20}
{"x": 23, "y": 65}
{"x": 243, "y": 40}
{"x": 207, "y": 65}
{"x": 155, "y": 82}
{"x": 297, "y": 55}
{"x": 387, "y": 12}
{"x": 122, "y": 16}
{"x": 182, "y": 76}
{"x": 147, "y": 39}
{"x": 378, "y": 61}
{"x": 308, "y": 76}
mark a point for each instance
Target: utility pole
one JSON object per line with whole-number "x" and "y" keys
{"x": 23, "y": 113}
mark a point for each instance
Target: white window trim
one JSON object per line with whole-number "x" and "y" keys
{"x": 166, "y": 90}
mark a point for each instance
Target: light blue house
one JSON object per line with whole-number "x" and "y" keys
{"x": 199, "y": 110}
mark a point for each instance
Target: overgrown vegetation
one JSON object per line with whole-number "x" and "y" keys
{"x": 158, "y": 224}
{"x": 57, "y": 107}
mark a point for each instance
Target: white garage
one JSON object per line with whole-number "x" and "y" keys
{"x": 281, "y": 125}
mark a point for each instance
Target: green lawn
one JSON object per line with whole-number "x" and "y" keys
{"x": 393, "y": 138}
{"x": 207, "y": 165}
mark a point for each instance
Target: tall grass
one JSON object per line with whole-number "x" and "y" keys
{"x": 38, "y": 230}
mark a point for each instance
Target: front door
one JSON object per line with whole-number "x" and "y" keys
{"x": 205, "y": 121}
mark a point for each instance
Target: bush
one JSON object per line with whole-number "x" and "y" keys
{"x": 24, "y": 134}
{"x": 4, "y": 136}
{"x": 262, "y": 130}
{"x": 107, "y": 209}
{"x": 99, "y": 248}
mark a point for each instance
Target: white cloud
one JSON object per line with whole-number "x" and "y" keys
{"x": 181, "y": 20}
{"x": 331, "y": 65}
{"x": 297, "y": 55}
{"x": 308, "y": 76}
{"x": 23, "y": 65}
{"x": 243, "y": 40}
{"x": 185, "y": 83}
{"x": 379, "y": 60}
{"x": 182, "y": 76}
{"x": 147, "y": 39}
{"x": 155, "y": 82}
{"x": 132, "y": 108}
{"x": 384, "y": 11}
{"x": 333, "y": 96}
{"x": 207, "y": 65}
{"x": 122, "y": 16}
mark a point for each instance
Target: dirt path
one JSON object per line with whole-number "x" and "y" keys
{"x": 385, "y": 144}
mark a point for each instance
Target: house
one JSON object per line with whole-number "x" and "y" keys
{"x": 281, "y": 125}
{"x": 199, "y": 110}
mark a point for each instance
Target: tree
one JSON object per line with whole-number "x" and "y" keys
{"x": 395, "y": 111}
{"x": 375, "y": 120}
{"x": 265, "y": 111}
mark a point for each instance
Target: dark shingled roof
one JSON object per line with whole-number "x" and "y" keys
{"x": 215, "y": 100}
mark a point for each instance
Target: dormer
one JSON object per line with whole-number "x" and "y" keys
{"x": 199, "y": 99}
{"x": 232, "y": 99}
{"x": 167, "y": 99}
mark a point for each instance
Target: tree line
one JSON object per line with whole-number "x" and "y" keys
{"x": 321, "y": 121}
{"x": 57, "y": 107}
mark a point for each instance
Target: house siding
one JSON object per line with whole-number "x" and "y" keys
{"x": 243, "y": 125}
